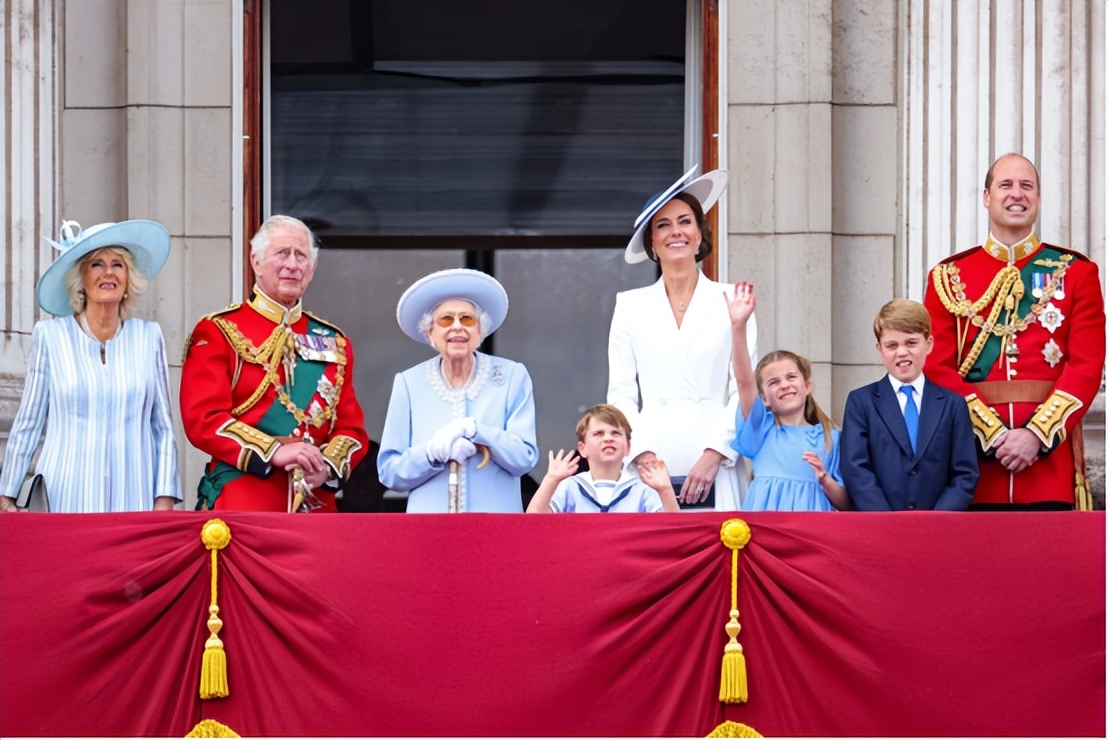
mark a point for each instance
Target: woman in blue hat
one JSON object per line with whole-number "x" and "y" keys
{"x": 669, "y": 350}
{"x": 460, "y": 428}
{"x": 97, "y": 379}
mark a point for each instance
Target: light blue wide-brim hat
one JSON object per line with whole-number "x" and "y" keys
{"x": 707, "y": 189}
{"x": 147, "y": 241}
{"x": 430, "y": 291}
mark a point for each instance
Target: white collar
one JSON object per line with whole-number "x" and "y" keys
{"x": 917, "y": 385}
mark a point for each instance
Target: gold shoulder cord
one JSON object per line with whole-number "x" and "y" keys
{"x": 246, "y": 350}
{"x": 952, "y": 294}
{"x": 274, "y": 349}
{"x": 1005, "y": 292}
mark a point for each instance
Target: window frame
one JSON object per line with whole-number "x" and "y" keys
{"x": 254, "y": 197}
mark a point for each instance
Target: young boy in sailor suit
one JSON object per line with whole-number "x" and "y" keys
{"x": 604, "y": 439}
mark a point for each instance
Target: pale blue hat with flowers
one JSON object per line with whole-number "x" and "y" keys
{"x": 707, "y": 189}
{"x": 426, "y": 294}
{"x": 147, "y": 241}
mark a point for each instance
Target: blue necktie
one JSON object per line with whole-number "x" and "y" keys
{"x": 911, "y": 415}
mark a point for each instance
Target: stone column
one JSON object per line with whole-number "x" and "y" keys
{"x": 27, "y": 183}
{"x": 779, "y": 152}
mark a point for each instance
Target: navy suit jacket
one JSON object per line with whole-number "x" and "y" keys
{"x": 876, "y": 461}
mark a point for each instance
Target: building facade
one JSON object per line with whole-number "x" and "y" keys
{"x": 856, "y": 132}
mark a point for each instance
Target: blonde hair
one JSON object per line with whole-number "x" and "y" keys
{"x": 813, "y": 414}
{"x": 75, "y": 281}
{"x": 605, "y": 413}
{"x": 901, "y": 314}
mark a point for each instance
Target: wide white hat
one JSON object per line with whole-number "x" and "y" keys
{"x": 707, "y": 189}
{"x": 426, "y": 294}
{"x": 147, "y": 241}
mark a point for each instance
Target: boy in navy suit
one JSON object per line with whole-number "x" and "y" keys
{"x": 906, "y": 443}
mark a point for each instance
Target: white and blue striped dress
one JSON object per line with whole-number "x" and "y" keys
{"x": 109, "y": 441}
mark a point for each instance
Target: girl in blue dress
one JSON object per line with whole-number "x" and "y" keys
{"x": 793, "y": 444}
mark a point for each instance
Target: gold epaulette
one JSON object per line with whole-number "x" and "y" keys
{"x": 326, "y": 323}
{"x": 209, "y": 317}
{"x": 987, "y": 425}
{"x": 1048, "y": 423}
{"x": 220, "y": 312}
{"x": 338, "y": 452}
{"x": 1080, "y": 256}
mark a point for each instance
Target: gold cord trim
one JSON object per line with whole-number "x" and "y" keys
{"x": 279, "y": 349}
{"x": 1049, "y": 419}
{"x": 987, "y": 425}
{"x": 338, "y": 451}
{"x": 1004, "y": 293}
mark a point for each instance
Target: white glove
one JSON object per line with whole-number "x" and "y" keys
{"x": 468, "y": 427}
{"x": 438, "y": 447}
{"x": 462, "y": 450}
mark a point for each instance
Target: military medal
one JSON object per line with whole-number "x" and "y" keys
{"x": 326, "y": 389}
{"x": 1051, "y": 318}
{"x": 317, "y": 348}
{"x": 1011, "y": 350}
{"x": 1052, "y": 353}
{"x": 1038, "y": 282}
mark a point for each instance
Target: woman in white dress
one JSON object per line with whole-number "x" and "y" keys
{"x": 669, "y": 351}
{"x": 97, "y": 379}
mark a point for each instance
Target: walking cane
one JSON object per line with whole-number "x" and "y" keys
{"x": 301, "y": 498}
{"x": 452, "y": 487}
{"x": 452, "y": 480}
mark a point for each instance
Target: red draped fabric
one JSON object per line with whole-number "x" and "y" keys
{"x": 923, "y": 623}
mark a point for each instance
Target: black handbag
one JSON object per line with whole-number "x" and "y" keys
{"x": 32, "y": 492}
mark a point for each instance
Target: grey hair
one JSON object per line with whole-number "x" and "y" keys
{"x": 483, "y": 320}
{"x": 75, "y": 281}
{"x": 260, "y": 241}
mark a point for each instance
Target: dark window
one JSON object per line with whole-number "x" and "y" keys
{"x": 474, "y": 118}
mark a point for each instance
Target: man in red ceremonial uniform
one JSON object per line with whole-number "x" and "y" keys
{"x": 267, "y": 388}
{"x": 1019, "y": 331}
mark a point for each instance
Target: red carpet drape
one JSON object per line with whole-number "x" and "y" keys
{"x": 920, "y": 623}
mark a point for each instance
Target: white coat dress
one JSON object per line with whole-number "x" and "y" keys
{"x": 684, "y": 379}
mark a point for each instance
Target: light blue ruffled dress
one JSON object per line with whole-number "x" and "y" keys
{"x": 783, "y": 481}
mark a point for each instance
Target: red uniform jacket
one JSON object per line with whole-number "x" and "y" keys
{"x": 237, "y": 403}
{"x": 1040, "y": 319}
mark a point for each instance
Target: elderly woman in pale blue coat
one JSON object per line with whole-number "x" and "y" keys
{"x": 97, "y": 379}
{"x": 461, "y": 406}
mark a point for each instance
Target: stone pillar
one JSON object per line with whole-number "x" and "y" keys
{"x": 812, "y": 145}
{"x": 780, "y": 154}
{"x": 27, "y": 183}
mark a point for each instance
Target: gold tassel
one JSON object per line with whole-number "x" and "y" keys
{"x": 216, "y": 535}
{"x": 734, "y": 533}
{"x": 211, "y": 728}
{"x": 734, "y": 729}
{"x": 1082, "y": 497}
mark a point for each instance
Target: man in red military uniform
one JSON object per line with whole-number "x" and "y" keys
{"x": 1019, "y": 331}
{"x": 267, "y": 389}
